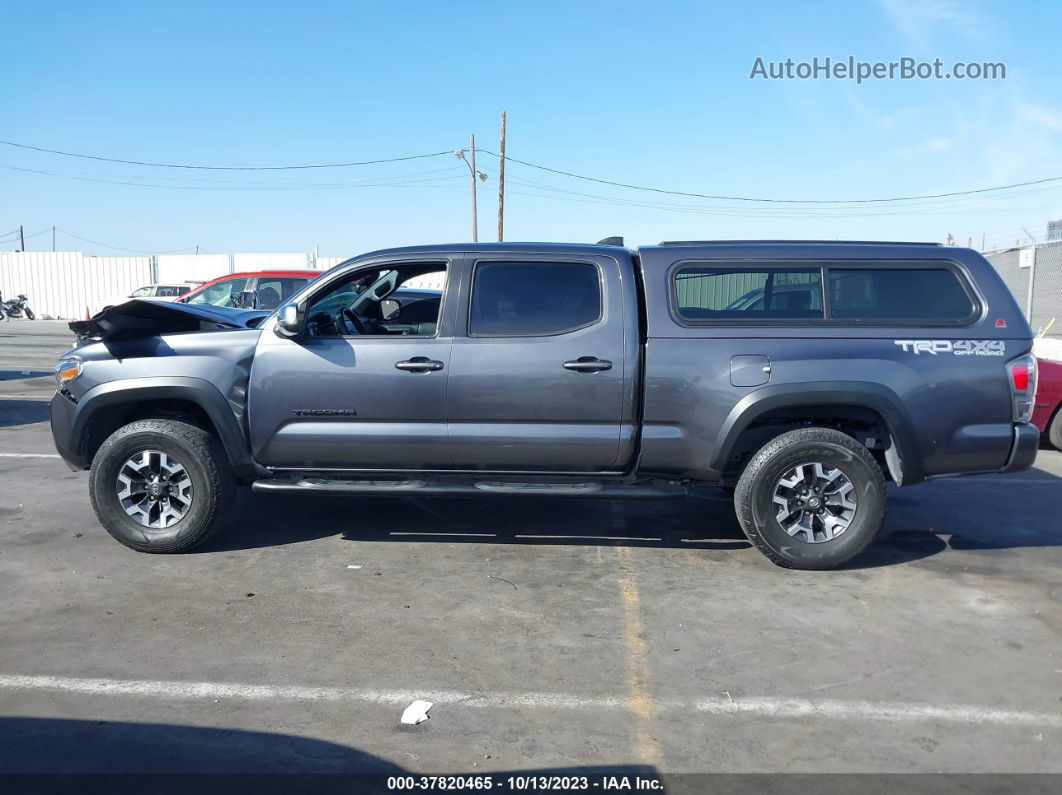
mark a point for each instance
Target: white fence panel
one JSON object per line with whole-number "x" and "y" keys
{"x": 191, "y": 267}
{"x": 324, "y": 263}
{"x": 427, "y": 281}
{"x": 261, "y": 262}
{"x": 64, "y": 284}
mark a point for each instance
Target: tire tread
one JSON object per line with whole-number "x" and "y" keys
{"x": 743, "y": 494}
{"x": 220, "y": 481}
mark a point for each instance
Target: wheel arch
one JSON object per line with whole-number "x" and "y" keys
{"x": 126, "y": 400}
{"x": 901, "y": 456}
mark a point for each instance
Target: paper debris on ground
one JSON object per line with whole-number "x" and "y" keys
{"x": 352, "y": 566}
{"x": 417, "y": 712}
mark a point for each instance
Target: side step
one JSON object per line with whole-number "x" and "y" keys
{"x": 443, "y": 488}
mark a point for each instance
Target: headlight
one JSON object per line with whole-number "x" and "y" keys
{"x": 67, "y": 370}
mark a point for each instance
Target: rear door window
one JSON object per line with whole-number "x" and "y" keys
{"x": 722, "y": 293}
{"x": 274, "y": 292}
{"x": 521, "y": 299}
{"x": 929, "y": 295}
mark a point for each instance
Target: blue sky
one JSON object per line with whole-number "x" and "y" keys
{"x": 655, "y": 94}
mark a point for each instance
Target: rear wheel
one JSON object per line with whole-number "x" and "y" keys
{"x": 1054, "y": 431}
{"x": 813, "y": 498}
{"x": 160, "y": 485}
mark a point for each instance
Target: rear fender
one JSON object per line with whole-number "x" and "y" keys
{"x": 905, "y": 462}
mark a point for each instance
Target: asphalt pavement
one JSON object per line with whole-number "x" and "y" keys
{"x": 549, "y": 634}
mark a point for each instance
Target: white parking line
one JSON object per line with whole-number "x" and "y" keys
{"x": 28, "y": 455}
{"x": 778, "y": 708}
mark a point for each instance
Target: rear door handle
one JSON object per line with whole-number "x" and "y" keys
{"x": 419, "y": 364}
{"x": 588, "y": 364}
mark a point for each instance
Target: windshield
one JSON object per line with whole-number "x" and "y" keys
{"x": 220, "y": 294}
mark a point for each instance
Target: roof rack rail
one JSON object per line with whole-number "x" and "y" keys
{"x": 611, "y": 241}
{"x": 832, "y": 242}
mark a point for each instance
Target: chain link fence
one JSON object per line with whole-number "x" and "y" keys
{"x": 1034, "y": 276}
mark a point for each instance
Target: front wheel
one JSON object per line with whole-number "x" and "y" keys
{"x": 813, "y": 498}
{"x": 29, "y": 314}
{"x": 160, "y": 485}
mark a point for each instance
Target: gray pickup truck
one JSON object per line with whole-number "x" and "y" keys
{"x": 799, "y": 375}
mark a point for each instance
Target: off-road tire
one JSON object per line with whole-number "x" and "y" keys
{"x": 213, "y": 484}
{"x": 755, "y": 489}
{"x": 29, "y": 314}
{"x": 1054, "y": 431}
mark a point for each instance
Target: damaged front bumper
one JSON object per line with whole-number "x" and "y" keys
{"x": 62, "y": 410}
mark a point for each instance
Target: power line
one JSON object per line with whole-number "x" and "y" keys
{"x": 382, "y": 182}
{"x": 211, "y": 180}
{"x": 122, "y": 248}
{"x": 561, "y": 172}
{"x": 224, "y": 168}
{"x": 725, "y": 197}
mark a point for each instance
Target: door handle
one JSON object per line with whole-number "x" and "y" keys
{"x": 588, "y": 364}
{"x": 419, "y": 364}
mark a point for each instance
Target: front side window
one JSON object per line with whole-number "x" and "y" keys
{"x": 169, "y": 291}
{"x": 220, "y": 294}
{"x": 710, "y": 293}
{"x": 372, "y": 302}
{"x": 905, "y": 294}
{"x": 140, "y": 292}
{"x": 519, "y": 299}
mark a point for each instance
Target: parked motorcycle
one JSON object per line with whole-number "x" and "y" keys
{"x": 16, "y": 307}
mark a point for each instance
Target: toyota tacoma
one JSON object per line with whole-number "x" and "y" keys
{"x": 799, "y": 375}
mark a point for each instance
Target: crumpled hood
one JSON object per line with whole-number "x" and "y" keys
{"x": 138, "y": 318}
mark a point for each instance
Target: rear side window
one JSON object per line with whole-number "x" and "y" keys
{"x": 931, "y": 295}
{"x": 704, "y": 293}
{"x": 511, "y": 299}
{"x": 273, "y": 292}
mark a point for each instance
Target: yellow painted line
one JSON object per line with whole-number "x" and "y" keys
{"x": 639, "y": 697}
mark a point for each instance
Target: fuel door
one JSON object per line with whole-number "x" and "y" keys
{"x": 752, "y": 369}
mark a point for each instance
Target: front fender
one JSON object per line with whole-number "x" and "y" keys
{"x": 138, "y": 390}
{"x": 905, "y": 460}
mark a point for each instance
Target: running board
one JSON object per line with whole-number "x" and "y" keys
{"x": 439, "y": 488}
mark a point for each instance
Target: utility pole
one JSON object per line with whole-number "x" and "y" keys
{"x": 475, "y": 214}
{"x": 21, "y": 239}
{"x": 1032, "y": 278}
{"x": 471, "y": 163}
{"x": 501, "y": 182}
{"x": 53, "y": 239}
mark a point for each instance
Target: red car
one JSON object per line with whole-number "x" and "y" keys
{"x": 252, "y": 289}
{"x": 1047, "y": 415}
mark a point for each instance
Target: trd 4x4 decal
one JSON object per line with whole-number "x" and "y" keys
{"x": 956, "y": 347}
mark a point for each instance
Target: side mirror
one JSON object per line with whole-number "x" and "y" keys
{"x": 245, "y": 300}
{"x": 288, "y": 320}
{"x": 389, "y": 309}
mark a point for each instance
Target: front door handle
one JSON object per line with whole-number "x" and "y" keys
{"x": 588, "y": 364}
{"x": 419, "y": 364}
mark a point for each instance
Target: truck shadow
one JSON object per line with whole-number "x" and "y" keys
{"x": 961, "y": 515}
{"x": 65, "y": 750}
{"x": 703, "y": 521}
{"x": 22, "y": 412}
{"x": 983, "y": 514}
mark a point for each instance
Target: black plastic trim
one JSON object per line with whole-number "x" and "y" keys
{"x": 858, "y": 394}
{"x": 136, "y": 390}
